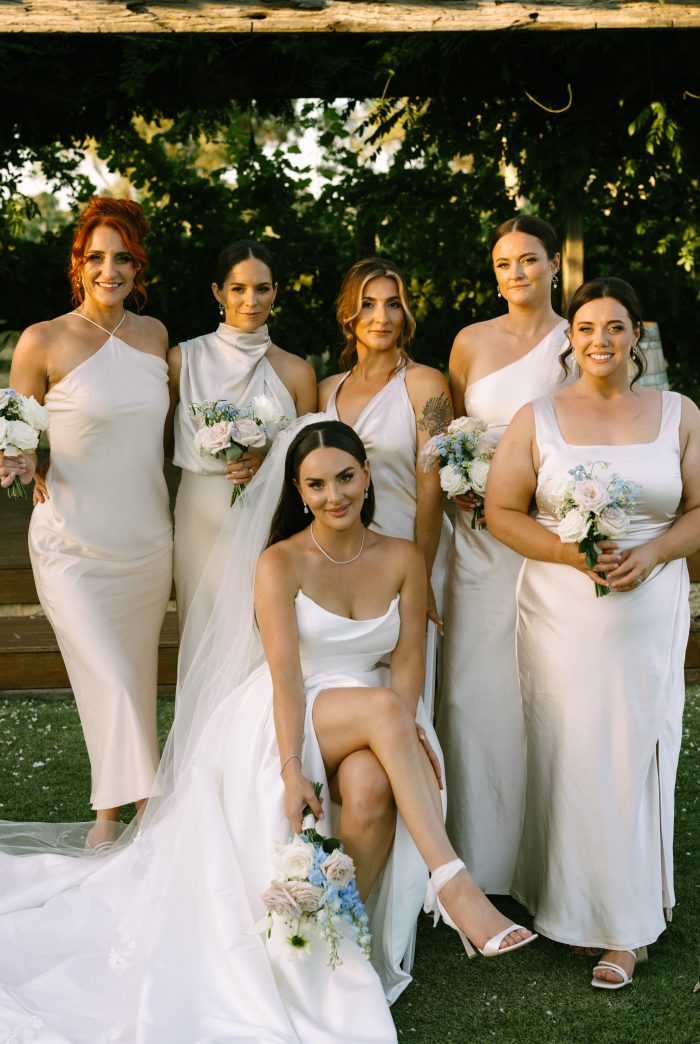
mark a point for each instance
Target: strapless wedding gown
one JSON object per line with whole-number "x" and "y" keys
{"x": 480, "y": 718}
{"x": 101, "y": 552}
{"x": 603, "y": 691}
{"x": 387, "y": 427}
{"x": 153, "y": 943}
{"x": 230, "y": 365}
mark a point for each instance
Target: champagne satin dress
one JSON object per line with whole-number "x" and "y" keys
{"x": 101, "y": 552}
{"x": 480, "y": 718}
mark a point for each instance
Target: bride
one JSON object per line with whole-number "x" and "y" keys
{"x": 155, "y": 940}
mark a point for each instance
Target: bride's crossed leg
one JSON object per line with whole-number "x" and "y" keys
{"x": 377, "y": 724}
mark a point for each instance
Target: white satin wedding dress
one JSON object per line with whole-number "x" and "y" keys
{"x": 150, "y": 943}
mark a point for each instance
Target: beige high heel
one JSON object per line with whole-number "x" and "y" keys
{"x": 639, "y": 955}
{"x": 438, "y": 879}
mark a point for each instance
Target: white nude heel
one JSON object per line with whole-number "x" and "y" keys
{"x": 625, "y": 979}
{"x": 438, "y": 879}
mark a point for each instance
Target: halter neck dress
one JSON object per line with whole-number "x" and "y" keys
{"x": 603, "y": 689}
{"x": 101, "y": 552}
{"x": 480, "y": 720}
{"x": 224, "y": 365}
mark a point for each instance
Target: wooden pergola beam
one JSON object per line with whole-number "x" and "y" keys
{"x": 346, "y": 16}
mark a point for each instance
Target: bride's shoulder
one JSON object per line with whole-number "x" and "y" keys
{"x": 278, "y": 565}
{"x": 405, "y": 553}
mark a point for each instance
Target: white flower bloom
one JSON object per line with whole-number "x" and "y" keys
{"x": 573, "y": 527}
{"x": 465, "y": 424}
{"x": 298, "y": 947}
{"x": 17, "y": 437}
{"x": 215, "y": 438}
{"x": 34, "y": 413}
{"x": 487, "y": 443}
{"x": 339, "y": 868}
{"x": 294, "y": 860}
{"x": 478, "y": 472}
{"x": 247, "y": 433}
{"x": 308, "y": 897}
{"x": 613, "y": 523}
{"x": 266, "y": 410}
{"x": 559, "y": 490}
{"x": 453, "y": 481}
{"x": 590, "y": 495}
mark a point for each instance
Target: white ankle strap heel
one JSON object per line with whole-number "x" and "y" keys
{"x": 441, "y": 876}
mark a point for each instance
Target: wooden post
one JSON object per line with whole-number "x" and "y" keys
{"x": 572, "y": 261}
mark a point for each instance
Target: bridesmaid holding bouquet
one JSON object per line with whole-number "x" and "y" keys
{"x": 495, "y": 367}
{"x": 100, "y": 537}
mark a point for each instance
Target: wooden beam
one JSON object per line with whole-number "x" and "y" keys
{"x": 347, "y": 16}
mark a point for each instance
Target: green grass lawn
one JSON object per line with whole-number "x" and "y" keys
{"x": 536, "y": 996}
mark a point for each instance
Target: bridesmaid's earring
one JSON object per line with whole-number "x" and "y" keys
{"x": 498, "y": 292}
{"x": 222, "y": 310}
{"x": 555, "y": 281}
{"x": 366, "y": 492}
{"x": 306, "y": 508}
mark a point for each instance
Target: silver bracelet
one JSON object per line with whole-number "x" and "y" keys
{"x": 287, "y": 760}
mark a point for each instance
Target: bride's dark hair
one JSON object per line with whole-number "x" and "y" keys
{"x": 289, "y": 517}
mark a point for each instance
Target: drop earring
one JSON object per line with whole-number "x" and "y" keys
{"x": 366, "y": 492}
{"x": 306, "y": 508}
{"x": 555, "y": 281}
{"x": 222, "y": 310}
{"x": 498, "y": 292}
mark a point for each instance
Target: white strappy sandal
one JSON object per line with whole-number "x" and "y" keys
{"x": 438, "y": 879}
{"x": 625, "y": 979}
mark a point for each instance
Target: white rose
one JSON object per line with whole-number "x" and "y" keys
{"x": 266, "y": 410}
{"x": 478, "y": 473}
{"x": 613, "y": 522}
{"x": 590, "y": 495}
{"x": 294, "y": 860}
{"x": 308, "y": 897}
{"x": 18, "y": 437}
{"x": 214, "y": 439}
{"x": 34, "y": 413}
{"x": 465, "y": 424}
{"x": 247, "y": 433}
{"x": 339, "y": 868}
{"x": 559, "y": 490}
{"x": 573, "y": 527}
{"x": 453, "y": 481}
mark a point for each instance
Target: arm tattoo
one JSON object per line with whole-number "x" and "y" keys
{"x": 436, "y": 415}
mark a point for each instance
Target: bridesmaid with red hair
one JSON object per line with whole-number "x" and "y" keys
{"x": 100, "y": 537}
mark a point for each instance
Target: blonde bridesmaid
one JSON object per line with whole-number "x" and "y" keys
{"x": 236, "y": 363}
{"x": 100, "y": 536}
{"x": 495, "y": 367}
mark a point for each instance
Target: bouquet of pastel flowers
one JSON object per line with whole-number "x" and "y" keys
{"x": 22, "y": 418}
{"x": 315, "y": 888}
{"x": 227, "y": 431}
{"x": 463, "y": 454}
{"x": 592, "y": 506}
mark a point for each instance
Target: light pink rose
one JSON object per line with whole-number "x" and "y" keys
{"x": 278, "y": 899}
{"x": 247, "y": 433}
{"x": 613, "y": 523}
{"x": 338, "y": 868}
{"x": 590, "y": 495}
{"x": 214, "y": 439}
{"x": 307, "y": 896}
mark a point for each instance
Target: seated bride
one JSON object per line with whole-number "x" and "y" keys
{"x": 156, "y": 939}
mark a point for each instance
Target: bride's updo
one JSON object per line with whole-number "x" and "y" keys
{"x": 289, "y": 517}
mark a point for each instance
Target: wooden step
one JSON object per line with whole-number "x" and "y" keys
{"x": 30, "y": 658}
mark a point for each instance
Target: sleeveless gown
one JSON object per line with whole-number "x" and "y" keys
{"x": 603, "y": 689}
{"x": 101, "y": 553}
{"x": 154, "y": 942}
{"x": 387, "y": 427}
{"x": 232, "y": 366}
{"x": 480, "y": 720}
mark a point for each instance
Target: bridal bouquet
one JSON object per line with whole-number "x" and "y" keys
{"x": 21, "y": 420}
{"x": 315, "y": 888}
{"x": 463, "y": 454}
{"x": 592, "y": 506}
{"x": 227, "y": 431}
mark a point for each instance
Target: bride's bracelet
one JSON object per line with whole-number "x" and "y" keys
{"x": 287, "y": 760}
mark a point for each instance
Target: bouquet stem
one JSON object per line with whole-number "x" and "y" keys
{"x": 591, "y": 550}
{"x": 16, "y": 490}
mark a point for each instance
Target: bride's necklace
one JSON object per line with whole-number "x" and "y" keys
{"x": 337, "y": 561}
{"x": 103, "y": 328}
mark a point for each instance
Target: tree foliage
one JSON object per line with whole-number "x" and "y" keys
{"x": 478, "y": 127}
